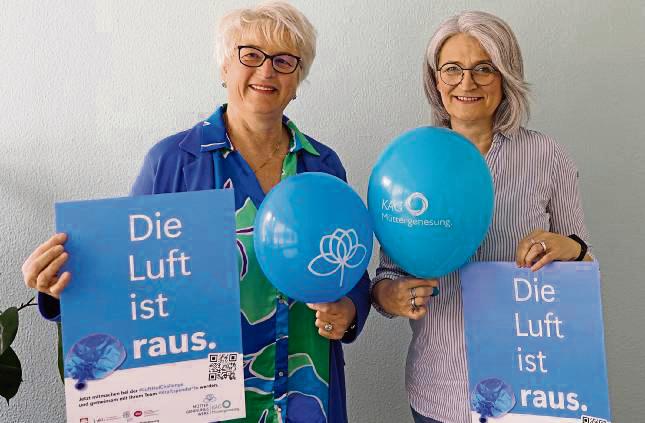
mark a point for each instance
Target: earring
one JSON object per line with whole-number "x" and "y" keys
{"x": 224, "y": 84}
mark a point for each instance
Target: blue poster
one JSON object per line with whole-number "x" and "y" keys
{"x": 151, "y": 318}
{"x": 535, "y": 343}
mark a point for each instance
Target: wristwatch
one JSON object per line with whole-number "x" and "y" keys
{"x": 583, "y": 246}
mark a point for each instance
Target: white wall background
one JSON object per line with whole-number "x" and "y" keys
{"x": 86, "y": 87}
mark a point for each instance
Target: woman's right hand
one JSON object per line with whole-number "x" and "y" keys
{"x": 40, "y": 270}
{"x": 406, "y": 297}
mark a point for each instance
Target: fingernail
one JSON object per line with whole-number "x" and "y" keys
{"x": 435, "y": 291}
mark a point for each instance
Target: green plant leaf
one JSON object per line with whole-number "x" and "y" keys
{"x": 60, "y": 352}
{"x": 10, "y": 374}
{"x": 8, "y": 328}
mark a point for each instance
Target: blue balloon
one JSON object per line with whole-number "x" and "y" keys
{"x": 94, "y": 357}
{"x": 431, "y": 198}
{"x": 313, "y": 238}
{"x": 492, "y": 398}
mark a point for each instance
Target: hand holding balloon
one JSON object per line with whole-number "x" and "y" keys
{"x": 406, "y": 297}
{"x": 334, "y": 319}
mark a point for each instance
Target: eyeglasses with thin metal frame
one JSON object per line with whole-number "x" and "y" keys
{"x": 253, "y": 57}
{"x": 452, "y": 74}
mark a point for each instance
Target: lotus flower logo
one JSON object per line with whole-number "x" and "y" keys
{"x": 339, "y": 250}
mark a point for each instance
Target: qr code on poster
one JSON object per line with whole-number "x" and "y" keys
{"x": 222, "y": 366}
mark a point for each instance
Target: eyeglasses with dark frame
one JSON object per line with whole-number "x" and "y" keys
{"x": 452, "y": 74}
{"x": 253, "y": 57}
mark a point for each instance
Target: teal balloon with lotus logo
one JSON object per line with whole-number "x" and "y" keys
{"x": 313, "y": 237}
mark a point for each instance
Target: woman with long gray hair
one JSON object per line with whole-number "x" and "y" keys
{"x": 474, "y": 82}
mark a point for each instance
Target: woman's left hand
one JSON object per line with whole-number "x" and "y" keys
{"x": 541, "y": 247}
{"x": 333, "y": 319}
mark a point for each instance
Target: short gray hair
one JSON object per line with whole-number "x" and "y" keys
{"x": 275, "y": 22}
{"x": 497, "y": 38}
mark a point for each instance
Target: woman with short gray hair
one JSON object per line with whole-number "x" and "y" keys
{"x": 474, "y": 82}
{"x": 293, "y": 356}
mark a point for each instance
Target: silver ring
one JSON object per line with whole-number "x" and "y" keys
{"x": 542, "y": 244}
{"x": 328, "y": 327}
{"x": 413, "y": 292}
{"x": 413, "y": 303}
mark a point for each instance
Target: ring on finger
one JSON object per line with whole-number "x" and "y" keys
{"x": 413, "y": 292}
{"x": 413, "y": 303}
{"x": 542, "y": 244}
{"x": 328, "y": 327}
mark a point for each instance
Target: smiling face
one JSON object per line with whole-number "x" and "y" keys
{"x": 468, "y": 103}
{"x": 259, "y": 90}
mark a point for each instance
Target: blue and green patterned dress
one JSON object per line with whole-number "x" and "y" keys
{"x": 286, "y": 361}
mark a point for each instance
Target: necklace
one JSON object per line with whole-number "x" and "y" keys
{"x": 268, "y": 159}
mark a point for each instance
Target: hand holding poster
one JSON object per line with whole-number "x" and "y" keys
{"x": 535, "y": 343}
{"x": 151, "y": 319}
